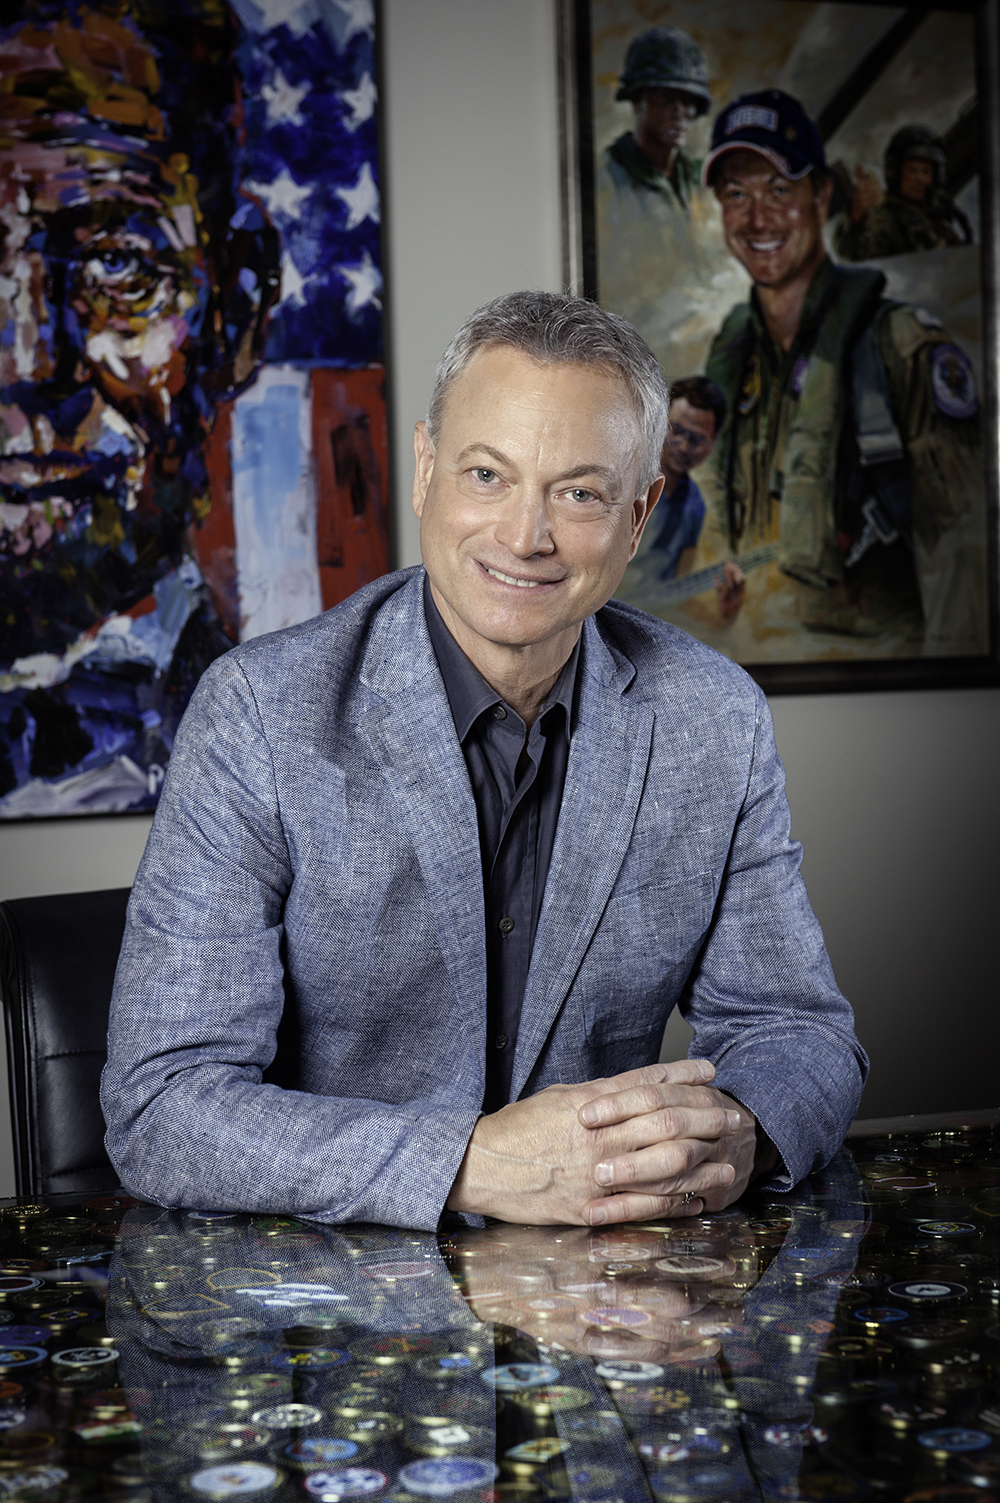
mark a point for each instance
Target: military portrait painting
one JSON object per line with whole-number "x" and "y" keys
{"x": 192, "y": 410}
{"x": 788, "y": 200}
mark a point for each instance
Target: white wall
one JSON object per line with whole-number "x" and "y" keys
{"x": 894, "y": 795}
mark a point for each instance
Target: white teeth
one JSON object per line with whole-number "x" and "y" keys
{"x": 522, "y": 584}
{"x": 765, "y": 245}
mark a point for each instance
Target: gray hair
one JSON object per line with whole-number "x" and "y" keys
{"x": 556, "y": 329}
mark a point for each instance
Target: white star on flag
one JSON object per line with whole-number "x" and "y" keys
{"x": 362, "y": 200}
{"x": 360, "y": 14}
{"x": 281, "y": 13}
{"x": 283, "y": 100}
{"x": 282, "y": 196}
{"x": 361, "y": 102}
{"x": 292, "y": 283}
{"x": 366, "y": 283}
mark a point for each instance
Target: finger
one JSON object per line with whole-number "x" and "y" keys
{"x": 655, "y": 1112}
{"x": 654, "y": 1172}
{"x": 666, "y": 1072}
{"x": 638, "y": 1206}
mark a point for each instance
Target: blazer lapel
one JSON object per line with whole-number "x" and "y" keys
{"x": 410, "y": 729}
{"x": 607, "y": 766}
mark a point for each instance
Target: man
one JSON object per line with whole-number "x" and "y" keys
{"x": 665, "y": 79}
{"x": 658, "y": 247}
{"x": 697, "y": 413}
{"x": 430, "y": 871}
{"x": 134, "y": 289}
{"x": 917, "y": 213}
{"x": 853, "y": 441}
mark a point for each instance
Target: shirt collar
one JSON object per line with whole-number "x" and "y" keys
{"x": 468, "y": 692}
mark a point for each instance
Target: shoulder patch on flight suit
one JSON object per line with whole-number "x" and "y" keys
{"x": 953, "y": 382}
{"x": 906, "y": 330}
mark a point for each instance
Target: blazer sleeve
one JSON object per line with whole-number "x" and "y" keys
{"x": 763, "y": 1000}
{"x": 198, "y": 998}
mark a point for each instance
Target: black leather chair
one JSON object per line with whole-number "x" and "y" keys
{"x": 57, "y": 966}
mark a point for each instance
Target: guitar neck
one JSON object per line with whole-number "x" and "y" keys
{"x": 702, "y": 579}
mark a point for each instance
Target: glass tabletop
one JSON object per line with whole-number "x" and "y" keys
{"x": 838, "y": 1342}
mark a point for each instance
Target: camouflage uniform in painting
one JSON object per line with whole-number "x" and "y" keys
{"x": 929, "y": 220}
{"x": 897, "y": 226}
{"x": 858, "y": 455}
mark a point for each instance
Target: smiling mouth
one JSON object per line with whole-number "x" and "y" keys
{"x": 764, "y": 247}
{"x": 522, "y": 584}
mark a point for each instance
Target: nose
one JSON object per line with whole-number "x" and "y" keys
{"x": 758, "y": 213}
{"x": 523, "y": 527}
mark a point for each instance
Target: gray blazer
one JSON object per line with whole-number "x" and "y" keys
{"x": 299, "y": 1016}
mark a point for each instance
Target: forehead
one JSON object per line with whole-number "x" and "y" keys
{"x": 501, "y": 390}
{"x": 701, "y": 419}
{"x": 745, "y": 168}
{"x": 91, "y": 166}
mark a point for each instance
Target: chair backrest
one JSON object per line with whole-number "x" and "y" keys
{"x": 57, "y": 966}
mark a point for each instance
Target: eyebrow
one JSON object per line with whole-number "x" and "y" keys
{"x": 732, "y": 181}
{"x": 578, "y": 472}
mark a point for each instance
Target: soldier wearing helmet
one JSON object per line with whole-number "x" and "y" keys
{"x": 666, "y": 79}
{"x": 657, "y": 241}
{"x": 917, "y": 212}
{"x": 852, "y": 450}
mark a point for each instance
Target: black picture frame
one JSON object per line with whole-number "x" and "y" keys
{"x": 975, "y": 144}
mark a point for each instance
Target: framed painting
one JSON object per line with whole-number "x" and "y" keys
{"x": 193, "y": 437}
{"x": 795, "y": 202}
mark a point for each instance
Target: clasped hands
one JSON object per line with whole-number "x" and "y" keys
{"x": 657, "y": 1141}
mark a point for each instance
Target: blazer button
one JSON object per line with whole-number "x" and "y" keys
{"x": 506, "y": 925}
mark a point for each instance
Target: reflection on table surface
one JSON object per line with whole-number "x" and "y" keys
{"x": 838, "y": 1342}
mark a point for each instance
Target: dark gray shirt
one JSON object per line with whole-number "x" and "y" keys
{"x": 517, "y": 780}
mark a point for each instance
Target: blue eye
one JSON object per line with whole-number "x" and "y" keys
{"x": 113, "y": 265}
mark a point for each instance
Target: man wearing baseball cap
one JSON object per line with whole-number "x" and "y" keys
{"x": 853, "y": 438}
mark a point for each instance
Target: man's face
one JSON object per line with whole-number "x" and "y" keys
{"x": 663, "y": 118}
{"x": 102, "y": 281}
{"x": 690, "y": 437}
{"x": 916, "y": 178}
{"x": 529, "y": 506}
{"x": 104, "y": 292}
{"x": 772, "y": 225}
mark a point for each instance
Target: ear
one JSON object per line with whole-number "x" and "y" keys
{"x": 423, "y": 453}
{"x": 642, "y": 506}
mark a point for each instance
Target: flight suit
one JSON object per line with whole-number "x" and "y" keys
{"x": 858, "y": 454}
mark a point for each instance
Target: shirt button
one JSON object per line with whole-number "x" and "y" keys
{"x": 500, "y": 1042}
{"x": 506, "y": 925}
{"x": 499, "y": 713}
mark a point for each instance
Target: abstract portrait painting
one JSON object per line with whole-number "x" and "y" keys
{"x": 794, "y": 202}
{"x": 193, "y": 440}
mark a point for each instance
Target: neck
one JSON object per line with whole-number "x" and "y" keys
{"x": 523, "y": 676}
{"x": 662, "y": 157}
{"x": 782, "y": 306}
